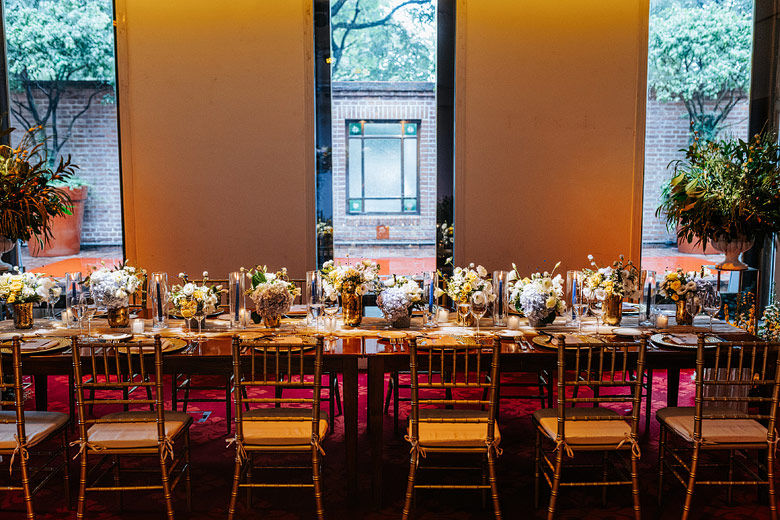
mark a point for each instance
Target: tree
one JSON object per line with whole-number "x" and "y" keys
{"x": 383, "y": 40}
{"x": 701, "y": 56}
{"x": 52, "y": 44}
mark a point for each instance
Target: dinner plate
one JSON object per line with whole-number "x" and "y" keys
{"x": 8, "y": 336}
{"x": 37, "y": 345}
{"x": 509, "y": 333}
{"x": 683, "y": 340}
{"x": 627, "y": 332}
{"x": 572, "y": 340}
{"x": 122, "y": 336}
{"x": 391, "y": 334}
{"x": 630, "y": 308}
{"x": 168, "y": 345}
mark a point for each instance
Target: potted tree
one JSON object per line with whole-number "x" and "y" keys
{"x": 725, "y": 193}
{"x": 29, "y": 196}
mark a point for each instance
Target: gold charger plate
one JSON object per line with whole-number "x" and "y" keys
{"x": 296, "y": 343}
{"x": 548, "y": 342}
{"x": 37, "y": 345}
{"x": 168, "y": 345}
{"x": 683, "y": 340}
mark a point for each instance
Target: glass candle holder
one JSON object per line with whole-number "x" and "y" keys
{"x": 647, "y": 309}
{"x": 574, "y": 283}
{"x": 501, "y": 303}
{"x": 159, "y": 289}
{"x": 237, "y": 294}
{"x": 72, "y": 294}
{"x": 430, "y": 314}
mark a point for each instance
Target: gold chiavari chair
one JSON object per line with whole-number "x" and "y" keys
{"x": 22, "y": 432}
{"x": 710, "y": 429}
{"x": 112, "y": 369}
{"x": 456, "y": 424}
{"x": 603, "y": 366}
{"x": 276, "y": 428}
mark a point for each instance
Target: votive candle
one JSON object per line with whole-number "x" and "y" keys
{"x": 513, "y": 323}
{"x": 662, "y": 321}
{"x": 137, "y": 326}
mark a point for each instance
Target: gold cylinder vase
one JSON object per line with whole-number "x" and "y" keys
{"x": 23, "y": 315}
{"x": 351, "y": 305}
{"x": 613, "y": 309}
{"x": 272, "y": 322}
{"x": 118, "y": 317}
{"x": 682, "y": 316}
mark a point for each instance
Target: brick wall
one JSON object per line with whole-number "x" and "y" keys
{"x": 409, "y": 235}
{"x": 667, "y": 131}
{"x": 94, "y": 148}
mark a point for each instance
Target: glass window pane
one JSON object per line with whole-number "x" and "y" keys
{"x": 355, "y": 177}
{"x": 383, "y": 206}
{"x": 382, "y": 163}
{"x": 410, "y": 167}
{"x": 382, "y": 129}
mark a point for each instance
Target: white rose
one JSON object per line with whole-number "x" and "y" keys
{"x": 600, "y": 293}
{"x": 188, "y": 289}
{"x": 481, "y": 271}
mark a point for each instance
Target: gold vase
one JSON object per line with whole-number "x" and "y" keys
{"x": 272, "y": 322}
{"x": 351, "y": 306}
{"x": 118, "y": 317}
{"x": 613, "y": 309}
{"x": 23, "y": 315}
{"x": 682, "y": 316}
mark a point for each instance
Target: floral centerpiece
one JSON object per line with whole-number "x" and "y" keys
{"x": 351, "y": 281}
{"x": 769, "y": 328}
{"x": 190, "y": 298}
{"x": 539, "y": 297}
{"x": 463, "y": 283}
{"x": 679, "y": 286}
{"x": 396, "y": 301}
{"x": 113, "y": 287}
{"x": 273, "y": 295}
{"x": 23, "y": 290}
{"x": 611, "y": 285}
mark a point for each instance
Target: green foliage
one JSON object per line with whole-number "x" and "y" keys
{"x": 700, "y": 54}
{"x": 51, "y": 44}
{"x": 383, "y": 40}
{"x": 725, "y": 189}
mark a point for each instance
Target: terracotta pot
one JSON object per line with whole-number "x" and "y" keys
{"x": 695, "y": 247}
{"x": 65, "y": 230}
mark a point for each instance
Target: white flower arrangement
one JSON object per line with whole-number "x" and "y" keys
{"x": 399, "y": 296}
{"x": 206, "y": 296}
{"x": 21, "y": 287}
{"x": 465, "y": 281}
{"x": 364, "y": 274}
{"x": 769, "y": 328}
{"x": 622, "y": 279}
{"x": 114, "y": 286}
{"x": 538, "y": 296}
{"x": 273, "y": 294}
{"x": 679, "y": 284}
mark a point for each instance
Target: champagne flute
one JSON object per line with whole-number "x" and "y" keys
{"x": 77, "y": 309}
{"x": 712, "y": 305}
{"x": 479, "y": 305}
{"x": 464, "y": 309}
{"x": 53, "y": 297}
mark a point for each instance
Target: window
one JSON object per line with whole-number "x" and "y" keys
{"x": 382, "y": 166}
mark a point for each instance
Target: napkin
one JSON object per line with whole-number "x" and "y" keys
{"x": 39, "y": 344}
{"x": 682, "y": 338}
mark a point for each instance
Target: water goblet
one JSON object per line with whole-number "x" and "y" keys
{"x": 597, "y": 309}
{"x": 712, "y": 305}
{"x": 479, "y": 306}
{"x": 693, "y": 305}
{"x": 330, "y": 303}
{"x": 88, "y": 305}
{"x": 464, "y": 309}
{"x": 53, "y": 297}
{"x": 200, "y": 315}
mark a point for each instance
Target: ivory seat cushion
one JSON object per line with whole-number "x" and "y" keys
{"x": 451, "y": 433}
{"x": 37, "y": 427}
{"x": 281, "y": 432}
{"x": 125, "y": 434}
{"x": 713, "y": 431}
{"x": 584, "y": 432}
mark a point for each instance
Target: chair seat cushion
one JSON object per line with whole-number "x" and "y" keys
{"x": 270, "y": 432}
{"x": 713, "y": 431}
{"x": 582, "y": 431}
{"x": 447, "y": 432}
{"x": 135, "y": 429}
{"x": 37, "y": 427}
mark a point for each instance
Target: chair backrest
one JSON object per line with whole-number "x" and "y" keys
{"x": 264, "y": 363}
{"x": 11, "y": 380}
{"x": 751, "y": 364}
{"x": 138, "y": 299}
{"x": 445, "y": 364}
{"x": 115, "y": 369}
{"x": 600, "y": 366}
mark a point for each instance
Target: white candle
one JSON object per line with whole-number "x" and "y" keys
{"x": 244, "y": 317}
{"x": 137, "y": 326}
{"x": 513, "y": 323}
{"x": 662, "y": 321}
{"x": 444, "y": 316}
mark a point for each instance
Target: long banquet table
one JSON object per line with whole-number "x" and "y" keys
{"x": 211, "y": 355}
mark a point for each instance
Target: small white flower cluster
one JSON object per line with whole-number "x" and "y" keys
{"x": 398, "y": 297}
{"x": 206, "y": 296}
{"x": 538, "y": 295}
{"x": 465, "y": 281}
{"x": 272, "y": 293}
{"x": 679, "y": 284}
{"x": 364, "y": 275}
{"x": 27, "y": 287}
{"x": 114, "y": 286}
{"x": 769, "y": 328}
{"x": 621, "y": 279}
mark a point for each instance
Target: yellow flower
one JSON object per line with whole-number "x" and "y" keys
{"x": 675, "y": 284}
{"x": 11, "y": 298}
{"x": 675, "y": 297}
{"x": 198, "y": 295}
{"x": 467, "y": 288}
{"x": 472, "y": 276}
{"x": 672, "y": 276}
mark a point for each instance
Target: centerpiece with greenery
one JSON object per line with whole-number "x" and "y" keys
{"x": 726, "y": 193}
{"x": 461, "y": 286}
{"x": 22, "y": 291}
{"x": 351, "y": 282}
{"x": 273, "y": 295}
{"x": 539, "y": 297}
{"x": 112, "y": 286}
{"x": 610, "y": 285}
{"x": 398, "y": 297}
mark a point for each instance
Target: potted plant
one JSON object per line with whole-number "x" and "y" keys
{"x": 725, "y": 193}
{"x": 29, "y": 196}
{"x": 65, "y": 229}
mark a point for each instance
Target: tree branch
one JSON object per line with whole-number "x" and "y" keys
{"x": 381, "y": 21}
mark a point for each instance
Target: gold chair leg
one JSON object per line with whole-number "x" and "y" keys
{"x": 556, "y": 480}
{"x": 691, "y": 483}
{"x": 635, "y": 486}
{"x": 493, "y": 485}
{"x": 317, "y": 480}
{"x": 234, "y": 491}
{"x": 661, "y": 462}
{"x": 187, "y": 478}
{"x": 28, "y": 505}
{"x": 409, "y": 488}
{"x": 484, "y": 482}
{"x": 166, "y": 488}
{"x": 251, "y": 461}
{"x": 81, "y": 503}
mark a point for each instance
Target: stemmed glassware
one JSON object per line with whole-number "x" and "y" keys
{"x": 330, "y": 305}
{"x": 597, "y": 309}
{"x": 87, "y": 310}
{"x": 52, "y": 297}
{"x": 693, "y": 305}
{"x": 479, "y": 306}
{"x": 200, "y": 315}
{"x": 579, "y": 304}
{"x": 187, "y": 307}
{"x": 464, "y": 309}
{"x": 314, "y": 295}
{"x": 712, "y": 303}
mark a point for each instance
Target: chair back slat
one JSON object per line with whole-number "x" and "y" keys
{"x": 11, "y": 379}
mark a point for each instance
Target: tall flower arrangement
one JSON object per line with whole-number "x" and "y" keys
{"x": 679, "y": 284}
{"x": 364, "y": 275}
{"x": 465, "y": 281}
{"x": 113, "y": 286}
{"x": 272, "y": 293}
{"x": 20, "y": 287}
{"x": 621, "y": 279}
{"x": 539, "y": 296}
{"x": 769, "y": 329}
{"x": 205, "y": 296}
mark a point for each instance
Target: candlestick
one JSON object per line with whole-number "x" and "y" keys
{"x": 159, "y": 302}
{"x": 237, "y": 306}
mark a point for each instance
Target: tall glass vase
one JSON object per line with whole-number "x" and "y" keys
{"x": 159, "y": 290}
{"x": 500, "y": 305}
{"x": 237, "y": 297}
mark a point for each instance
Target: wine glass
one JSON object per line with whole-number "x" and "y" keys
{"x": 314, "y": 295}
{"x": 187, "y": 308}
{"x": 712, "y": 305}
{"x": 579, "y": 304}
{"x": 330, "y": 303}
{"x": 597, "y": 309}
{"x": 77, "y": 310}
{"x": 464, "y": 309}
{"x": 52, "y": 298}
{"x": 200, "y": 315}
{"x": 88, "y": 305}
{"x": 693, "y": 305}
{"x": 479, "y": 306}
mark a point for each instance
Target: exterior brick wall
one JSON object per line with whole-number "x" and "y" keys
{"x": 667, "y": 131}
{"x": 94, "y": 148}
{"x": 409, "y": 235}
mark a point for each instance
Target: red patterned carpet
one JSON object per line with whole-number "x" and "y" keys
{"x": 213, "y": 464}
